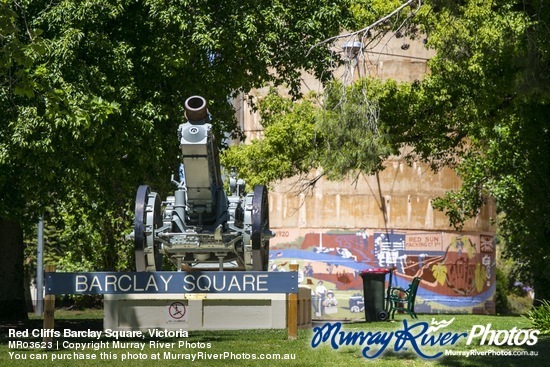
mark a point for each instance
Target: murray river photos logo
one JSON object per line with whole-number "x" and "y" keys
{"x": 418, "y": 337}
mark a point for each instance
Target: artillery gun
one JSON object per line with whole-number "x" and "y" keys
{"x": 200, "y": 226}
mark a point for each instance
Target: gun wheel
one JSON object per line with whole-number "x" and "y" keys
{"x": 147, "y": 219}
{"x": 260, "y": 225}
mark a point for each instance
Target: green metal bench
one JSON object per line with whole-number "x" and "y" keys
{"x": 403, "y": 299}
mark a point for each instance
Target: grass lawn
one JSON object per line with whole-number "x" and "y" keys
{"x": 245, "y": 345}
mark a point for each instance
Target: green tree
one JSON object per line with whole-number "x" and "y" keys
{"x": 91, "y": 94}
{"x": 288, "y": 144}
{"x": 489, "y": 82}
{"x": 343, "y": 136}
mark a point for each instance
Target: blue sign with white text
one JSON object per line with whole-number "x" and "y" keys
{"x": 171, "y": 282}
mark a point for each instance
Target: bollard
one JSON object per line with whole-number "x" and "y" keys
{"x": 49, "y": 310}
{"x": 292, "y": 311}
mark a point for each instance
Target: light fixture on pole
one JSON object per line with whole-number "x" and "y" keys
{"x": 351, "y": 52}
{"x": 351, "y": 49}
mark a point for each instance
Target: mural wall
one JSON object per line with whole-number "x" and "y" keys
{"x": 457, "y": 270}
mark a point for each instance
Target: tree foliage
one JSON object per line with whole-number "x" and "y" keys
{"x": 288, "y": 147}
{"x": 354, "y": 127}
{"x": 491, "y": 75}
{"x": 340, "y": 134}
{"x": 92, "y": 92}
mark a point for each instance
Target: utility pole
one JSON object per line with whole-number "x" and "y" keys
{"x": 40, "y": 268}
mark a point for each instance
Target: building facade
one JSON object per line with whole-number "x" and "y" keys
{"x": 341, "y": 229}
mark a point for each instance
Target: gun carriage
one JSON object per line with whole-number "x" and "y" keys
{"x": 200, "y": 226}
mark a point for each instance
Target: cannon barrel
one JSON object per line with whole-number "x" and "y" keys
{"x": 200, "y": 158}
{"x": 196, "y": 110}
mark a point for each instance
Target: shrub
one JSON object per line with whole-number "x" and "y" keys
{"x": 502, "y": 303}
{"x": 519, "y": 305}
{"x": 540, "y": 317}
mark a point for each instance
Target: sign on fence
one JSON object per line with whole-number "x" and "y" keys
{"x": 171, "y": 282}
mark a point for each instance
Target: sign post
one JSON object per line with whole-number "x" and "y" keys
{"x": 49, "y": 308}
{"x": 292, "y": 314}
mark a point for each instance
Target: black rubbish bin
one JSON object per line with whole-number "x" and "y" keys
{"x": 374, "y": 284}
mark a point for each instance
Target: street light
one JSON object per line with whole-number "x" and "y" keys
{"x": 352, "y": 49}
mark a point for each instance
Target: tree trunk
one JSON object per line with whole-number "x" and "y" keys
{"x": 541, "y": 282}
{"x": 12, "y": 290}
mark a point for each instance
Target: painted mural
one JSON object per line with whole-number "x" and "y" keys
{"x": 457, "y": 270}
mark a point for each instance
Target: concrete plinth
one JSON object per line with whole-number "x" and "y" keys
{"x": 195, "y": 311}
